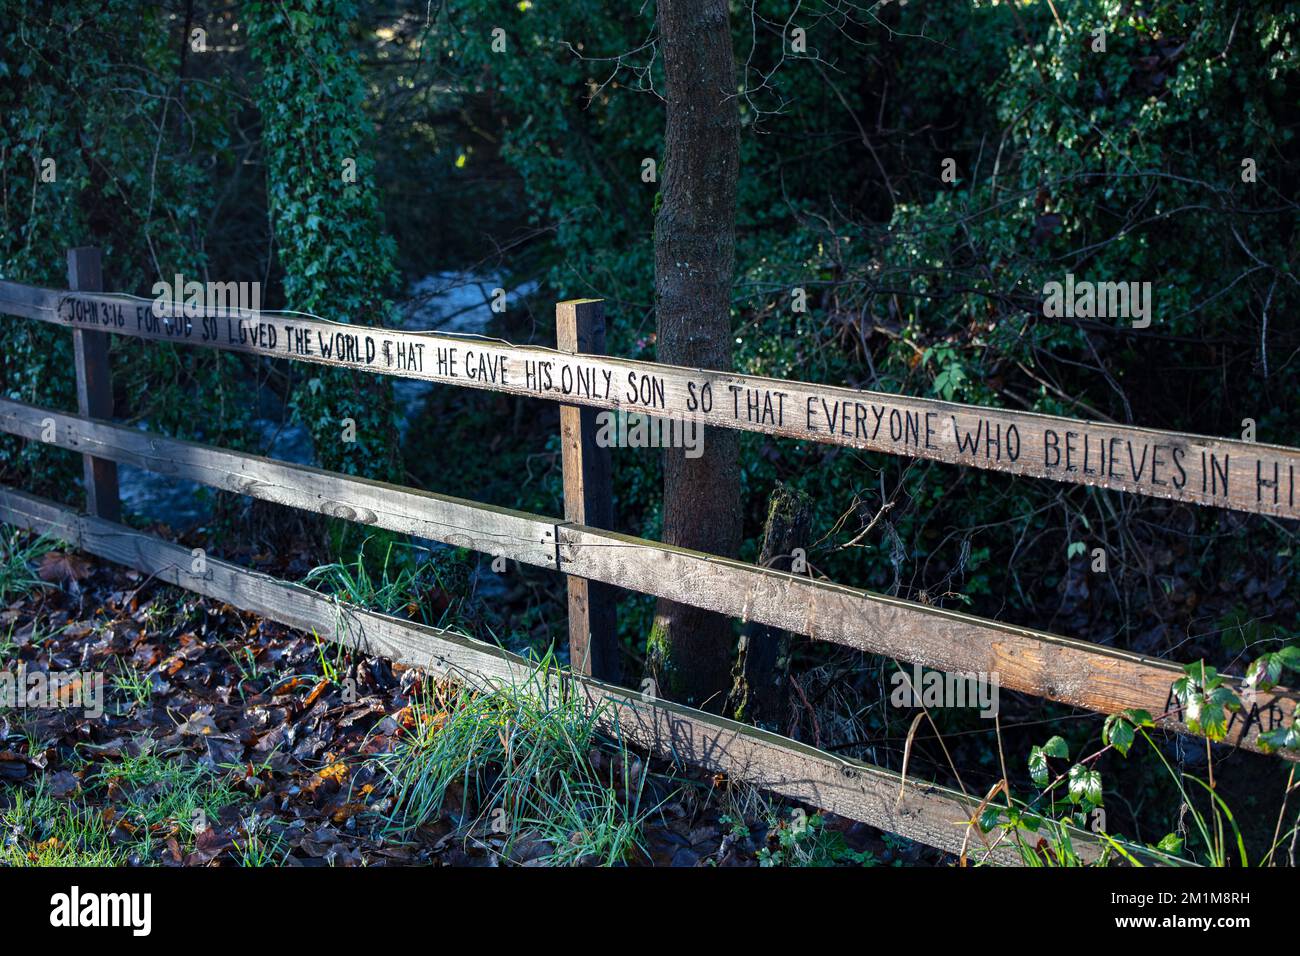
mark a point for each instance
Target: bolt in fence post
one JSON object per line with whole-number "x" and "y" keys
{"x": 94, "y": 386}
{"x": 588, "y": 499}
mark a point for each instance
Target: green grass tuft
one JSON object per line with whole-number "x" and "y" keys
{"x": 525, "y": 761}
{"x": 39, "y": 830}
{"x": 17, "y": 564}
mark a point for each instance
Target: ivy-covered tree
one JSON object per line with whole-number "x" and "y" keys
{"x": 337, "y": 261}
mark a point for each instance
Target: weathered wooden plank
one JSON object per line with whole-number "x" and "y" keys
{"x": 28, "y": 301}
{"x": 94, "y": 384}
{"x": 497, "y": 531}
{"x": 924, "y": 812}
{"x": 1102, "y": 679}
{"x": 1228, "y": 473}
{"x": 588, "y": 500}
{"x": 1074, "y": 672}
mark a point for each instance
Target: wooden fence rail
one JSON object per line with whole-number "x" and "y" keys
{"x": 1097, "y": 678}
{"x": 1241, "y": 475}
{"x": 933, "y": 815}
{"x": 930, "y": 814}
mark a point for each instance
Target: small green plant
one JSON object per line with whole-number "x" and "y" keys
{"x": 1046, "y": 828}
{"x": 736, "y": 826}
{"x": 160, "y": 795}
{"x": 1069, "y": 802}
{"x": 245, "y": 660}
{"x": 805, "y": 840}
{"x": 1206, "y": 700}
{"x": 8, "y": 646}
{"x": 333, "y": 657}
{"x": 1264, "y": 674}
{"x": 259, "y": 847}
{"x": 18, "y": 558}
{"x": 134, "y": 686}
{"x": 950, "y": 380}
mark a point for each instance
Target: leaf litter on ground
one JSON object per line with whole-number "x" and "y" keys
{"x": 227, "y": 739}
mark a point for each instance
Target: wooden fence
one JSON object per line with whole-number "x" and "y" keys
{"x": 1202, "y": 470}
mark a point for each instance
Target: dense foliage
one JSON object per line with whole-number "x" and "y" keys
{"x": 325, "y": 210}
{"x": 104, "y": 142}
{"x": 915, "y": 172}
{"x": 1123, "y": 165}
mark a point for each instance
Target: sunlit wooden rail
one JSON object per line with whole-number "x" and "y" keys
{"x": 1247, "y": 476}
{"x": 1227, "y": 473}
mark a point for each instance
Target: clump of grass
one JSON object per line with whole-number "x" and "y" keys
{"x": 527, "y": 761}
{"x": 396, "y": 582}
{"x": 259, "y": 847}
{"x": 153, "y": 796}
{"x": 245, "y": 660}
{"x": 334, "y": 658}
{"x": 134, "y": 686}
{"x": 18, "y": 557}
{"x": 38, "y": 830}
{"x": 162, "y": 795}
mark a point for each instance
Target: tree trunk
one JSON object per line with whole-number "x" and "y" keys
{"x": 689, "y": 650}
{"x": 760, "y": 694}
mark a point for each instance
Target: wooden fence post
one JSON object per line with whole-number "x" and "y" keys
{"x": 588, "y": 499}
{"x": 94, "y": 385}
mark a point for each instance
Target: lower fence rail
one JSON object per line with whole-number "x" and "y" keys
{"x": 934, "y": 815}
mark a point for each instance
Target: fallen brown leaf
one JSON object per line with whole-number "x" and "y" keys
{"x": 58, "y": 567}
{"x": 315, "y": 693}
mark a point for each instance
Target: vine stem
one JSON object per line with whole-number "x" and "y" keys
{"x": 1281, "y": 813}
